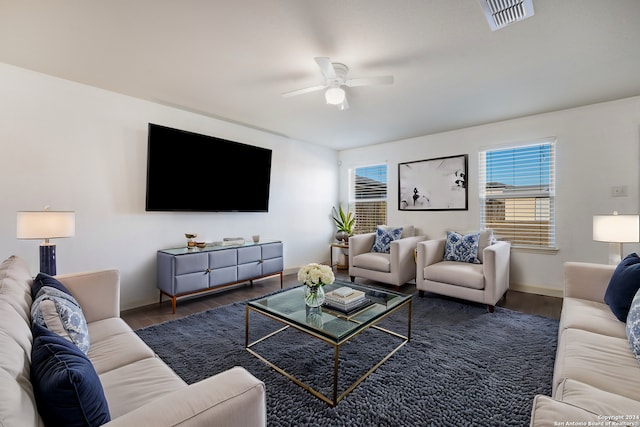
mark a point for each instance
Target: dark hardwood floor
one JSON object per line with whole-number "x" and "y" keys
{"x": 156, "y": 313}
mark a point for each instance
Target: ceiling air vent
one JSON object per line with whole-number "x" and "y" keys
{"x": 501, "y": 13}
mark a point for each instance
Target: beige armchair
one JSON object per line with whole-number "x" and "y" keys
{"x": 394, "y": 268}
{"x": 484, "y": 283}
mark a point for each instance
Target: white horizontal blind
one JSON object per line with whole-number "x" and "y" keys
{"x": 368, "y": 197}
{"x": 517, "y": 193}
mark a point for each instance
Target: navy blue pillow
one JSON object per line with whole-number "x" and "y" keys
{"x": 623, "y": 286}
{"x": 43, "y": 279}
{"x": 67, "y": 388}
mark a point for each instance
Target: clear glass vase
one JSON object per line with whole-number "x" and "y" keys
{"x": 314, "y": 295}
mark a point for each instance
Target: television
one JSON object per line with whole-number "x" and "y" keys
{"x": 187, "y": 171}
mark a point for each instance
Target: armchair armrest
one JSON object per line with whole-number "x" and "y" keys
{"x": 496, "y": 259}
{"x": 229, "y": 399}
{"x": 97, "y": 292}
{"x": 430, "y": 252}
{"x": 403, "y": 249}
{"x": 587, "y": 280}
{"x": 360, "y": 243}
{"x": 403, "y": 258}
{"x": 548, "y": 412}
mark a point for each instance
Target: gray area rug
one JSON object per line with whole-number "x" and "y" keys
{"x": 462, "y": 367}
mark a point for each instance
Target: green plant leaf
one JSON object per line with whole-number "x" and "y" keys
{"x": 344, "y": 221}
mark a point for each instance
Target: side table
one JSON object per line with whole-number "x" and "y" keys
{"x": 341, "y": 246}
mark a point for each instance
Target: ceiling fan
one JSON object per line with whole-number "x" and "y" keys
{"x": 335, "y": 76}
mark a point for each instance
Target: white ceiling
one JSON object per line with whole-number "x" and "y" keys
{"x": 232, "y": 59}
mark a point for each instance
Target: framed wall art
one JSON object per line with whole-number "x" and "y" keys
{"x": 438, "y": 184}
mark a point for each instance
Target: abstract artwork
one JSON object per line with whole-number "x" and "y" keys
{"x": 435, "y": 184}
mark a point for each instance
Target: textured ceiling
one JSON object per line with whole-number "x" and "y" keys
{"x": 233, "y": 59}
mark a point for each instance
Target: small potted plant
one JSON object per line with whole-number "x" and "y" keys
{"x": 345, "y": 222}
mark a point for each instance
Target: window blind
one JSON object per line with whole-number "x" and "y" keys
{"x": 517, "y": 193}
{"x": 368, "y": 197}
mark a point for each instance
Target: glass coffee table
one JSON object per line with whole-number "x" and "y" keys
{"x": 332, "y": 327}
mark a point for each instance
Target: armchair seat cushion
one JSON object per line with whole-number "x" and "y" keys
{"x": 456, "y": 273}
{"x": 375, "y": 261}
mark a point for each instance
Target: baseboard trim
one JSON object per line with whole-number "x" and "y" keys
{"x": 538, "y": 290}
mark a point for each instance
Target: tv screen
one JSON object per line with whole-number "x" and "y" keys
{"x": 187, "y": 171}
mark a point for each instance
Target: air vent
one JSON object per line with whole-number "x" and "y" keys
{"x": 501, "y": 13}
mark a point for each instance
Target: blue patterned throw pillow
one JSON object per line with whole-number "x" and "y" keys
{"x": 462, "y": 248}
{"x": 60, "y": 313}
{"x": 384, "y": 237}
{"x": 633, "y": 326}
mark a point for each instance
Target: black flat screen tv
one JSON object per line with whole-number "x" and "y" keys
{"x": 187, "y": 171}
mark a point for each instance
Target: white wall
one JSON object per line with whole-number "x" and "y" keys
{"x": 597, "y": 148}
{"x": 79, "y": 148}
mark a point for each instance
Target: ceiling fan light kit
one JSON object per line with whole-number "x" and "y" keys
{"x": 335, "y": 76}
{"x": 334, "y": 95}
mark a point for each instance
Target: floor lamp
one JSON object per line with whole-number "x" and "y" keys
{"x": 46, "y": 225}
{"x": 616, "y": 230}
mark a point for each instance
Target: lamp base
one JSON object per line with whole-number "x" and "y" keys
{"x": 48, "y": 259}
{"x": 615, "y": 253}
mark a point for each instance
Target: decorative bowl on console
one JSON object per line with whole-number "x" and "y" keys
{"x": 190, "y": 242}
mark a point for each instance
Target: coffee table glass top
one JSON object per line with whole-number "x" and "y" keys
{"x": 290, "y": 307}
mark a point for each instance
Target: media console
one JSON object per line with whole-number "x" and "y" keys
{"x": 186, "y": 271}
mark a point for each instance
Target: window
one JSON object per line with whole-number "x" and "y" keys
{"x": 368, "y": 197}
{"x": 517, "y": 193}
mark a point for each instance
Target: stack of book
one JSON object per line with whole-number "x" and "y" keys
{"x": 346, "y": 299}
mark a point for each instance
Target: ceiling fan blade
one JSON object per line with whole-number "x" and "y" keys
{"x": 326, "y": 67}
{"x": 302, "y": 91}
{"x": 369, "y": 81}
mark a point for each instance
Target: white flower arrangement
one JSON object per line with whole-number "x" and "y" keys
{"x": 316, "y": 275}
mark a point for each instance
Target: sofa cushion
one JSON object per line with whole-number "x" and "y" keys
{"x": 623, "y": 286}
{"x": 384, "y": 237}
{"x": 462, "y": 248}
{"x": 373, "y": 261}
{"x": 633, "y": 326}
{"x": 137, "y": 384}
{"x": 114, "y": 344}
{"x": 43, "y": 280}
{"x": 67, "y": 388}
{"x": 601, "y": 361}
{"x": 590, "y": 316}
{"x": 595, "y": 400}
{"x": 466, "y": 275}
{"x": 61, "y": 313}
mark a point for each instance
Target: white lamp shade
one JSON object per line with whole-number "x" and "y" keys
{"x": 334, "y": 95}
{"x": 616, "y": 228}
{"x": 45, "y": 224}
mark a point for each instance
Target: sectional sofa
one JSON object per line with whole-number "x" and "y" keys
{"x": 596, "y": 379}
{"x": 48, "y": 378}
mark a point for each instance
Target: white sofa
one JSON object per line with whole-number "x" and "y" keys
{"x": 141, "y": 390}
{"x": 596, "y": 375}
